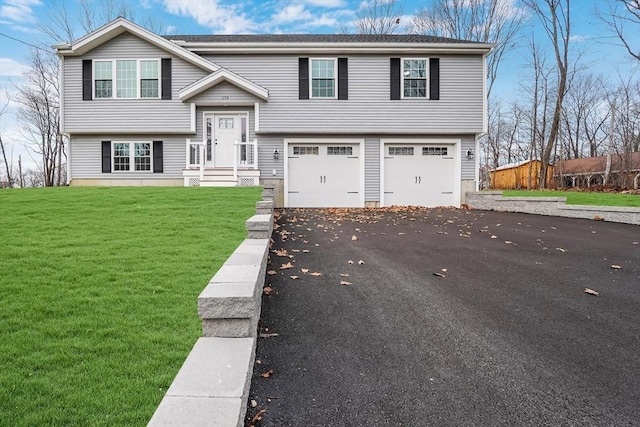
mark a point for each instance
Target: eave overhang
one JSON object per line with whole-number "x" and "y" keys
{"x": 219, "y": 76}
{"x": 120, "y": 26}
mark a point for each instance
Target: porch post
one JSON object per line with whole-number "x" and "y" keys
{"x": 235, "y": 161}
{"x": 201, "y": 149}
{"x": 255, "y": 154}
{"x": 188, "y": 151}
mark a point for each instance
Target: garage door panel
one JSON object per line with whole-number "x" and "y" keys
{"x": 418, "y": 174}
{"x": 324, "y": 175}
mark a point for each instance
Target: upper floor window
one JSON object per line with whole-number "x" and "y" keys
{"x": 323, "y": 78}
{"x": 128, "y": 78}
{"x": 414, "y": 78}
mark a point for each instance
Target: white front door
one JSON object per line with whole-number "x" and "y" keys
{"x": 222, "y": 132}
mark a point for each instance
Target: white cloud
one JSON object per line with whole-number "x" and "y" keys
{"x": 579, "y": 38}
{"x": 291, "y": 13}
{"x": 19, "y": 10}
{"x": 146, "y": 4}
{"x": 326, "y": 3}
{"x": 224, "y": 19}
{"x": 323, "y": 21}
{"x": 11, "y": 68}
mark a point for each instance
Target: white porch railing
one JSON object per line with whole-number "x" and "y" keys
{"x": 245, "y": 156}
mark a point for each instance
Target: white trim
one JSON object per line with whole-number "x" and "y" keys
{"x": 457, "y": 155}
{"x": 485, "y": 105}
{"x": 256, "y": 124}
{"x": 340, "y": 141}
{"x": 427, "y": 78}
{"x": 213, "y": 79}
{"x": 68, "y": 142}
{"x": 193, "y": 117}
{"x": 119, "y": 26}
{"x": 335, "y": 78}
{"x": 61, "y": 94}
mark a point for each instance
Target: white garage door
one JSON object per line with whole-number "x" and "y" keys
{"x": 419, "y": 175}
{"x": 324, "y": 175}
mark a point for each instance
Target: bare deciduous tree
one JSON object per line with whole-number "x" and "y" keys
{"x": 556, "y": 22}
{"x": 7, "y": 164}
{"x": 378, "y": 17}
{"x": 39, "y": 112}
{"x": 623, "y": 19}
{"x": 487, "y": 21}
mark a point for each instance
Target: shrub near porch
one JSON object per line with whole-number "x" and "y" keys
{"x": 98, "y": 291}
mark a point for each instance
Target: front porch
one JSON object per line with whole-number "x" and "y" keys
{"x": 200, "y": 171}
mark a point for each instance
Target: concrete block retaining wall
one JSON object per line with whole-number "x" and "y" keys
{"x": 553, "y": 206}
{"x": 212, "y": 387}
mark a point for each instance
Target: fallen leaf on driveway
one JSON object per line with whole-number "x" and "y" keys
{"x": 438, "y": 274}
{"x": 268, "y": 335}
{"x": 282, "y": 252}
{"x": 304, "y": 270}
{"x": 257, "y": 417}
{"x": 254, "y": 403}
{"x": 616, "y": 267}
{"x": 561, "y": 250}
{"x": 315, "y": 274}
{"x": 361, "y": 262}
{"x": 272, "y": 272}
{"x": 344, "y": 283}
{"x": 444, "y": 270}
{"x": 267, "y": 290}
{"x": 267, "y": 374}
{"x": 349, "y": 262}
{"x": 305, "y": 251}
{"x": 494, "y": 236}
{"x": 294, "y": 277}
{"x": 591, "y": 292}
{"x": 354, "y": 238}
{"x": 285, "y": 266}
{"x": 344, "y": 274}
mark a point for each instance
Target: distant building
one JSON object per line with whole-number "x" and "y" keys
{"x": 622, "y": 170}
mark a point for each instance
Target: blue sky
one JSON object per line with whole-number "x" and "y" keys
{"x": 19, "y": 20}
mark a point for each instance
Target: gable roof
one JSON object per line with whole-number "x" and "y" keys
{"x": 598, "y": 165}
{"x": 328, "y": 43}
{"x": 219, "y": 76}
{"x": 120, "y": 26}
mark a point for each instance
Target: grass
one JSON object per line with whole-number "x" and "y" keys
{"x": 98, "y": 291}
{"x": 581, "y": 197}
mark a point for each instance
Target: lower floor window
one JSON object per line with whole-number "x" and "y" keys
{"x": 137, "y": 154}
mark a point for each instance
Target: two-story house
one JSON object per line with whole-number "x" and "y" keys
{"x": 329, "y": 120}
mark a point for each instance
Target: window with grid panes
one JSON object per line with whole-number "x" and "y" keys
{"x": 323, "y": 78}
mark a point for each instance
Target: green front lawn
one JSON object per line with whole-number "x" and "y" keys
{"x": 581, "y": 197}
{"x": 98, "y": 291}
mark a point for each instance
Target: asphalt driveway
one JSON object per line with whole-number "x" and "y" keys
{"x": 448, "y": 317}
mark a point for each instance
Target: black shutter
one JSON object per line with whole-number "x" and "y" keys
{"x": 87, "y": 84}
{"x": 343, "y": 78}
{"x": 106, "y": 156}
{"x": 157, "y": 157}
{"x": 395, "y": 78}
{"x": 434, "y": 78}
{"x": 303, "y": 78}
{"x": 166, "y": 78}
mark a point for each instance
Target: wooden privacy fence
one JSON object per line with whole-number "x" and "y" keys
{"x": 525, "y": 174}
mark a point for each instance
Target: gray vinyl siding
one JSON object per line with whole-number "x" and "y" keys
{"x": 127, "y": 115}
{"x": 468, "y": 168}
{"x": 266, "y": 163}
{"x": 368, "y": 109}
{"x": 372, "y": 169}
{"x": 224, "y": 93}
{"x": 86, "y": 155}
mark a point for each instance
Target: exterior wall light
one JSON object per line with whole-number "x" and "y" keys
{"x": 276, "y": 154}
{"x": 469, "y": 154}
